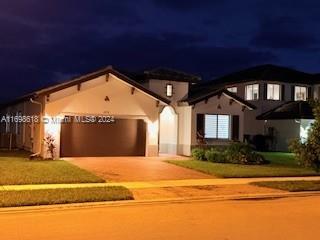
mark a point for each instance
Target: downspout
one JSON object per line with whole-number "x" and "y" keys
{"x": 40, "y": 115}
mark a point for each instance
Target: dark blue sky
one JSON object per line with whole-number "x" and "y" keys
{"x": 47, "y": 41}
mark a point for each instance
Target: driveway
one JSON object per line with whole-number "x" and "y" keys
{"x": 135, "y": 168}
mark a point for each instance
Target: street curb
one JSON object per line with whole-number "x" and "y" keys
{"x": 159, "y": 183}
{"x": 90, "y": 205}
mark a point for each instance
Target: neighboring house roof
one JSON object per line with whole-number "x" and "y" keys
{"x": 87, "y": 77}
{"x": 267, "y": 72}
{"x": 262, "y": 72}
{"x": 316, "y": 78}
{"x": 171, "y": 74}
{"x": 289, "y": 110}
{"x": 198, "y": 98}
{"x": 161, "y": 73}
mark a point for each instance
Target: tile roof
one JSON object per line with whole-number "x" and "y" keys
{"x": 84, "y": 78}
{"x": 198, "y": 98}
{"x": 289, "y": 110}
{"x": 261, "y": 72}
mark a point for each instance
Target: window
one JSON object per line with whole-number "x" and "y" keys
{"x": 217, "y": 126}
{"x": 232, "y": 89}
{"x": 273, "y": 91}
{"x": 300, "y": 93}
{"x": 252, "y": 92}
{"x": 169, "y": 90}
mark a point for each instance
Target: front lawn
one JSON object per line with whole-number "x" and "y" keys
{"x": 63, "y": 195}
{"x": 17, "y": 169}
{"x": 281, "y": 165}
{"x": 291, "y": 186}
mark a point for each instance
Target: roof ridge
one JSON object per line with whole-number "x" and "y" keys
{"x": 173, "y": 70}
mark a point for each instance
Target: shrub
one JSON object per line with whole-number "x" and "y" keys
{"x": 238, "y": 153}
{"x": 308, "y": 153}
{"x": 198, "y": 154}
{"x": 214, "y": 155}
{"x": 242, "y": 153}
{"x": 256, "y": 158}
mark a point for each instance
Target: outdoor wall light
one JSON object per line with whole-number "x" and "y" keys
{"x": 107, "y": 99}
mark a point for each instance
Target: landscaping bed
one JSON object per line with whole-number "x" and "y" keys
{"x": 291, "y": 186}
{"x": 17, "y": 169}
{"x": 63, "y": 196}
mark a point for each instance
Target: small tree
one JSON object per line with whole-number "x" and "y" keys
{"x": 49, "y": 142}
{"x": 308, "y": 153}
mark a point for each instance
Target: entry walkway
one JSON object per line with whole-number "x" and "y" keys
{"x": 158, "y": 184}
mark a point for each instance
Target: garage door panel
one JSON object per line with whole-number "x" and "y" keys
{"x": 125, "y": 137}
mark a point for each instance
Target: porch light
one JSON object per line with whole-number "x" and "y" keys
{"x": 52, "y": 124}
{"x": 153, "y": 129}
{"x": 167, "y": 113}
{"x": 305, "y": 126}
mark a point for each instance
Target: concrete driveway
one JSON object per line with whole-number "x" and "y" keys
{"x": 135, "y": 168}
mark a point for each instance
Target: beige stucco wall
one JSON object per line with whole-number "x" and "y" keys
{"x": 29, "y": 137}
{"x": 316, "y": 91}
{"x": 90, "y": 100}
{"x": 285, "y": 130}
{"x": 168, "y": 138}
{"x": 184, "y": 129}
{"x": 180, "y": 89}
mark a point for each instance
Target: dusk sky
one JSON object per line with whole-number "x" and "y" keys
{"x": 43, "y": 42}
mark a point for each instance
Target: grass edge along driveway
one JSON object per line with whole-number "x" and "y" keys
{"x": 281, "y": 165}
{"x": 63, "y": 196}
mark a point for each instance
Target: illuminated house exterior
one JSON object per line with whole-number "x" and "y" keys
{"x": 116, "y": 113}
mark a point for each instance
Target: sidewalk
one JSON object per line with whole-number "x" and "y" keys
{"x": 158, "y": 184}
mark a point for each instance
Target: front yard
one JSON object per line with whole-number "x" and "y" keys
{"x": 63, "y": 196}
{"x": 281, "y": 165}
{"x": 17, "y": 169}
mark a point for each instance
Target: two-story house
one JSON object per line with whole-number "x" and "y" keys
{"x": 116, "y": 113}
{"x": 279, "y": 95}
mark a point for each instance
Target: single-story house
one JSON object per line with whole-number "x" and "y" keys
{"x": 114, "y": 113}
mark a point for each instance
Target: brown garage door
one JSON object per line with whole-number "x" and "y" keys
{"x": 124, "y": 137}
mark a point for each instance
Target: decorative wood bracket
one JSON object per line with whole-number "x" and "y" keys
{"x": 132, "y": 90}
{"x": 107, "y": 77}
{"x": 231, "y": 101}
{"x": 206, "y": 100}
{"x": 157, "y": 103}
{"x": 79, "y": 86}
{"x": 243, "y": 108}
{"x": 48, "y": 98}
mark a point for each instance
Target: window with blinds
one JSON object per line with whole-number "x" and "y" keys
{"x": 217, "y": 126}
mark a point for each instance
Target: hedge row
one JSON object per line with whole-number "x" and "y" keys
{"x": 237, "y": 153}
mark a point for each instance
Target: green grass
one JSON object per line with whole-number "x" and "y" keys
{"x": 63, "y": 196}
{"x": 291, "y": 186}
{"x": 17, "y": 169}
{"x": 281, "y": 165}
{"x": 280, "y": 158}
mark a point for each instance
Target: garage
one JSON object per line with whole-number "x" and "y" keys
{"x": 123, "y": 137}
